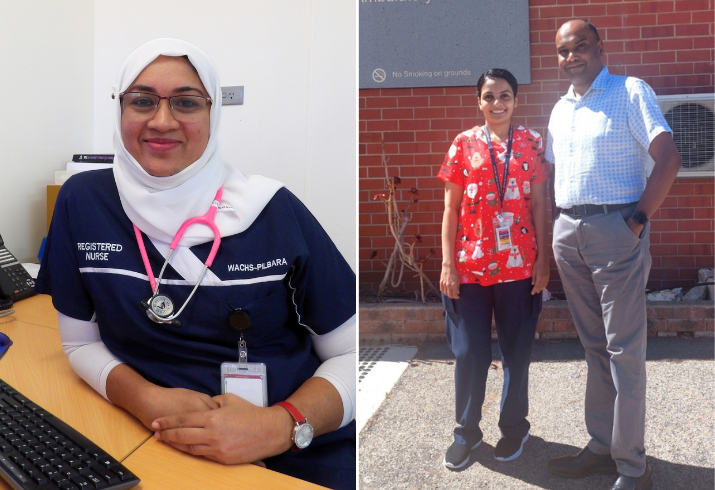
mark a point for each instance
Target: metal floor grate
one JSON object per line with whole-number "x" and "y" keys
{"x": 369, "y": 356}
{"x": 378, "y": 371}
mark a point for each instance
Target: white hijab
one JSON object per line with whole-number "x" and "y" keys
{"x": 158, "y": 206}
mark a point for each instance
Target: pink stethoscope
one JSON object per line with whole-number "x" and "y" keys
{"x": 160, "y": 308}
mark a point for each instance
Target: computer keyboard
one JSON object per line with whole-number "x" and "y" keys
{"x": 38, "y": 451}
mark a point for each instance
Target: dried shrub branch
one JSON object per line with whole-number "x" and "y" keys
{"x": 403, "y": 254}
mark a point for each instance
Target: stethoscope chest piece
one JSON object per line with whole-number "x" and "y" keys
{"x": 161, "y": 306}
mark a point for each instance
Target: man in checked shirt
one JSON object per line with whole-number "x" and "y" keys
{"x": 599, "y": 138}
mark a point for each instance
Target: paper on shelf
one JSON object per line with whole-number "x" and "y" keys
{"x": 76, "y": 167}
{"x": 82, "y": 166}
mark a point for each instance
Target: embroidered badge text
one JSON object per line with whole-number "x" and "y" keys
{"x": 256, "y": 267}
{"x": 98, "y": 250}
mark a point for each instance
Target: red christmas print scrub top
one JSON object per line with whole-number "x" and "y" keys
{"x": 468, "y": 165}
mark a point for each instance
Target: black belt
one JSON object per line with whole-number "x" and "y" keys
{"x": 581, "y": 210}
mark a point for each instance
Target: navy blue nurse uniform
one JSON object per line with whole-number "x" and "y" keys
{"x": 283, "y": 270}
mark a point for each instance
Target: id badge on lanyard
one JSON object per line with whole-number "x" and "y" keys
{"x": 249, "y": 380}
{"x": 503, "y": 233}
{"x": 502, "y": 221}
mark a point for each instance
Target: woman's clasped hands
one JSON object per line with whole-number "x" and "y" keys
{"x": 234, "y": 431}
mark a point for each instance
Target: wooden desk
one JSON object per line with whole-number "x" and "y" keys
{"x": 37, "y": 310}
{"x": 37, "y": 367}
{"x": 160, "y": 466}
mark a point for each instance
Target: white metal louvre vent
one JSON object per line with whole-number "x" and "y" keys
{"x": 692, "y": 119}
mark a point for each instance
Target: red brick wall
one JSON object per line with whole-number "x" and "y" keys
{"x": 400, "y": 323}
{"x": 669, "y": 44}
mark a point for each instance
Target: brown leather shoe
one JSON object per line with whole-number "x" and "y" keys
{"x": 584, "y": 463}
{"x": 643, "y": 482}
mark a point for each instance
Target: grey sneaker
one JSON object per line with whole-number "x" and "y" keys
{"x": 509, "y": 449}
{"x": 458, "y": 455}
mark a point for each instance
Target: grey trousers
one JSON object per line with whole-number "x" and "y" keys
{"x": 604, "y": 268}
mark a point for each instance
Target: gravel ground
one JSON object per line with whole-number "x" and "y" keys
{"x": 403, "y": 445}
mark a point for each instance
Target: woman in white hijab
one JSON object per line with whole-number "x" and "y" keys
{"x": 276, "y": 277}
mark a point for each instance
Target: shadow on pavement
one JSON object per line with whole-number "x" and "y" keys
{"x": 530, "y": 468}
{"x": 659, "y": 349}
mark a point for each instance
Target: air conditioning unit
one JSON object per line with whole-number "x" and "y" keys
{"x": 692, "y": 119}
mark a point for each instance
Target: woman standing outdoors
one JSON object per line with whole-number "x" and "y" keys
{"x": 495, "y": 260}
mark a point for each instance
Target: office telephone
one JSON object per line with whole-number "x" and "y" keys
{"x": 15, "y": 282}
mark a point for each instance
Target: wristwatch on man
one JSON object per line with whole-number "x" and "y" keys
{"x": 639, "y": 217}
{"x": 303, "y": 431}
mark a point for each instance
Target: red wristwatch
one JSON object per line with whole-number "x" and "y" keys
{"x": 303, "y": 431}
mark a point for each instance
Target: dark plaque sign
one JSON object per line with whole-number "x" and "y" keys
{"x": 441, "y": 43}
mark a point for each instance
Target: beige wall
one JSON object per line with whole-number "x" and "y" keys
{"x": 46, "y": 115}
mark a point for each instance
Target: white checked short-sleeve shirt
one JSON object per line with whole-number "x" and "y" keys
{"x": 599, "y": 143}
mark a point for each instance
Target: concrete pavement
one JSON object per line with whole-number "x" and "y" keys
{"x": 402, "y": 446}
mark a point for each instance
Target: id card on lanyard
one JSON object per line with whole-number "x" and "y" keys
{"x": 249, "y": 380}
{"x": 503, "y": 237}
{"x": 502, "y": 225}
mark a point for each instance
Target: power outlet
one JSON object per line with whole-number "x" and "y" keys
{"x": 232, "y": 95}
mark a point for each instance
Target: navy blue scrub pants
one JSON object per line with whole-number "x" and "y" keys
{"x": 468, "y": 323}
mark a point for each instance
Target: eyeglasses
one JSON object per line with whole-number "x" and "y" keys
{"x": 5, "y": 344}
{"x": 141, "y": 105}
